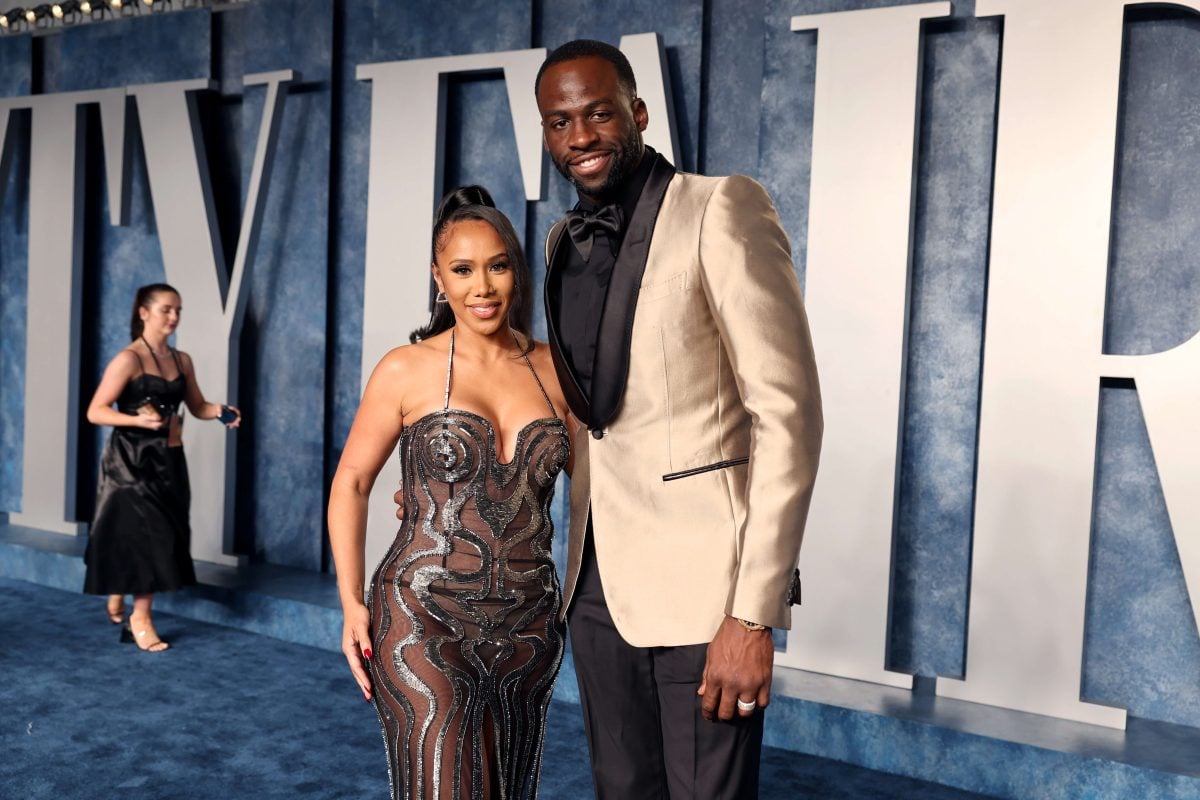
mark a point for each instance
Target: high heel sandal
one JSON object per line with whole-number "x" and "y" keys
{"x": 115, "y": 617}
{"x": 128, "y": 637}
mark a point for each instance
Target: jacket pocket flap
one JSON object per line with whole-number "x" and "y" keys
{"x": 687, "y": 473}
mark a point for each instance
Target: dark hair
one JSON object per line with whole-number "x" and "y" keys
{"x": 474, "y": 202}
{"x": 590, "y": 48}
{"x": 143, "y": 298}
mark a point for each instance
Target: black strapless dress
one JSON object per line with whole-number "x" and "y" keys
{"x": 139, "y": 541}
{"x": 464, "y": 610}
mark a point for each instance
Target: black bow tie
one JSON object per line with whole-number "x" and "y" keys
{"x": 583, "y": 226}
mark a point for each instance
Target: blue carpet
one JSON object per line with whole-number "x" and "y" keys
{"x": 231, "y": 714}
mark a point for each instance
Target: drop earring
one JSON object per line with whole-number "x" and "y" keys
{"x": 441, "y": 298}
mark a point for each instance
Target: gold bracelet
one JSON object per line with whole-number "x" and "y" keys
{"x": 751, "y": 626}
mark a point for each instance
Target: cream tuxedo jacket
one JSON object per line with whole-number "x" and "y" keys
{"x": 704, "y": 425}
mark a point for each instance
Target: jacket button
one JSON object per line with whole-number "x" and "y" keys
{"x": 597, "y": 434}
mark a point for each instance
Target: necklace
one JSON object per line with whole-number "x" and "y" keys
{"x": 164, "y": 352}
{"x": 157, "y": 365}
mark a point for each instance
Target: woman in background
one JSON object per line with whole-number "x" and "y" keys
{"x": 459, "y": 640}
{"x": 139, "y": 540}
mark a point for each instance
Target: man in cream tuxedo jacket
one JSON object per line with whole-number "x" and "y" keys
{"x": 681, "y": 343}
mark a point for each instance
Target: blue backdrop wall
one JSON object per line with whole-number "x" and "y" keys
{"x": 743, "y": 94}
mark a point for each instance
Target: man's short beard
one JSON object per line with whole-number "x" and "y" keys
{"x": 625, "y": 160}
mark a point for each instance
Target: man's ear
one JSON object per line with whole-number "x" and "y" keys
{"x": 641, "y": 115}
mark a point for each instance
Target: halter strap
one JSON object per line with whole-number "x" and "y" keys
{"x": 157, "y": 366}
{"x": 141, "y": 364}
{"x": 449, "y": 371}
{"x": 541, "y": 388}
{"x": 524, "y": 355}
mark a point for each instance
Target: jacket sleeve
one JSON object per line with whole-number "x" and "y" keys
{"x": 751, "y": 288}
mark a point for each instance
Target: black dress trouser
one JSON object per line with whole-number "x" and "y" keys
{"x": 642, "y": 715}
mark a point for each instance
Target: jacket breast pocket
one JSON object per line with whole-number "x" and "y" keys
{"x": 658, "y": 290}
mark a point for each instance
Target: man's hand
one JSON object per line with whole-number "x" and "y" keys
{"x": 399, "y": 498}
{"x": 738, "y": 667}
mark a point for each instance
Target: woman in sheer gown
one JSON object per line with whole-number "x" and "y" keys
{"x": 458, "y": 642}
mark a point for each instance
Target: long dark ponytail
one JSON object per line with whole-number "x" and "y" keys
{"x": 143, "y": 298}
{"x": 475, "y": 202}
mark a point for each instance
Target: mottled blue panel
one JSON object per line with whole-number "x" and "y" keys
{"x": 785, "y": 127}
{"x": 429, "y": 29}
{"x": 481, "y": 146}
{"x": 348, "y": 220}
{"x": 1142, "y": 645}
{"x": 14, "y": 256}
{"x": 1154, "y": 281}
{"x": 731, "y": 101}
{"x": 15, "y": 65}
{"x": 558, "y": 197}
{"x": 945, "y": 338}
{"x": 282, "y": 386}
{"x": 147, "y": 49}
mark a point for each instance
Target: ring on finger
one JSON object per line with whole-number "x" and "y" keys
{"x": 746, "y": 705}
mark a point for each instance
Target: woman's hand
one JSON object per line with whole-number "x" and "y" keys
{"x": 151, "y": 422}
{"x": 356, "y": 644}
{"x": 237, "y": 420}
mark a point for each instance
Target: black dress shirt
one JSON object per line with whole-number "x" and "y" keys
{"x": 580, "y": 287}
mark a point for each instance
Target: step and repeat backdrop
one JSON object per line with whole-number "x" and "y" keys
{"x": 994, "y": 209}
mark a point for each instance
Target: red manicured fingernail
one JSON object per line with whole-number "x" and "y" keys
{"x": 367, "y": 653}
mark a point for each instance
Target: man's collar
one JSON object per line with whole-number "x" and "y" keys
{"x": 629, "y": 192}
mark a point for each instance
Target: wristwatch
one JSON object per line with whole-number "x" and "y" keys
{"x": 751, "y": 626}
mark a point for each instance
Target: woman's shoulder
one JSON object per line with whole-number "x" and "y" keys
{"x": 407, "y": 358}
{"x": 126, "y": 360}
{"x": 543, "y": 361}
{"x": 539, "y": 353}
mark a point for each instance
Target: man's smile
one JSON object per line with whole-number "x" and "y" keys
{"x": 590, "y": 163}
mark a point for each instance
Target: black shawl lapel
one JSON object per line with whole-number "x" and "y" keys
{"x": 611, "y": 367}
{"x": 572, "y": 391}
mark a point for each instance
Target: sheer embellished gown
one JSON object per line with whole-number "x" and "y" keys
{"x": 464, "y": 608}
